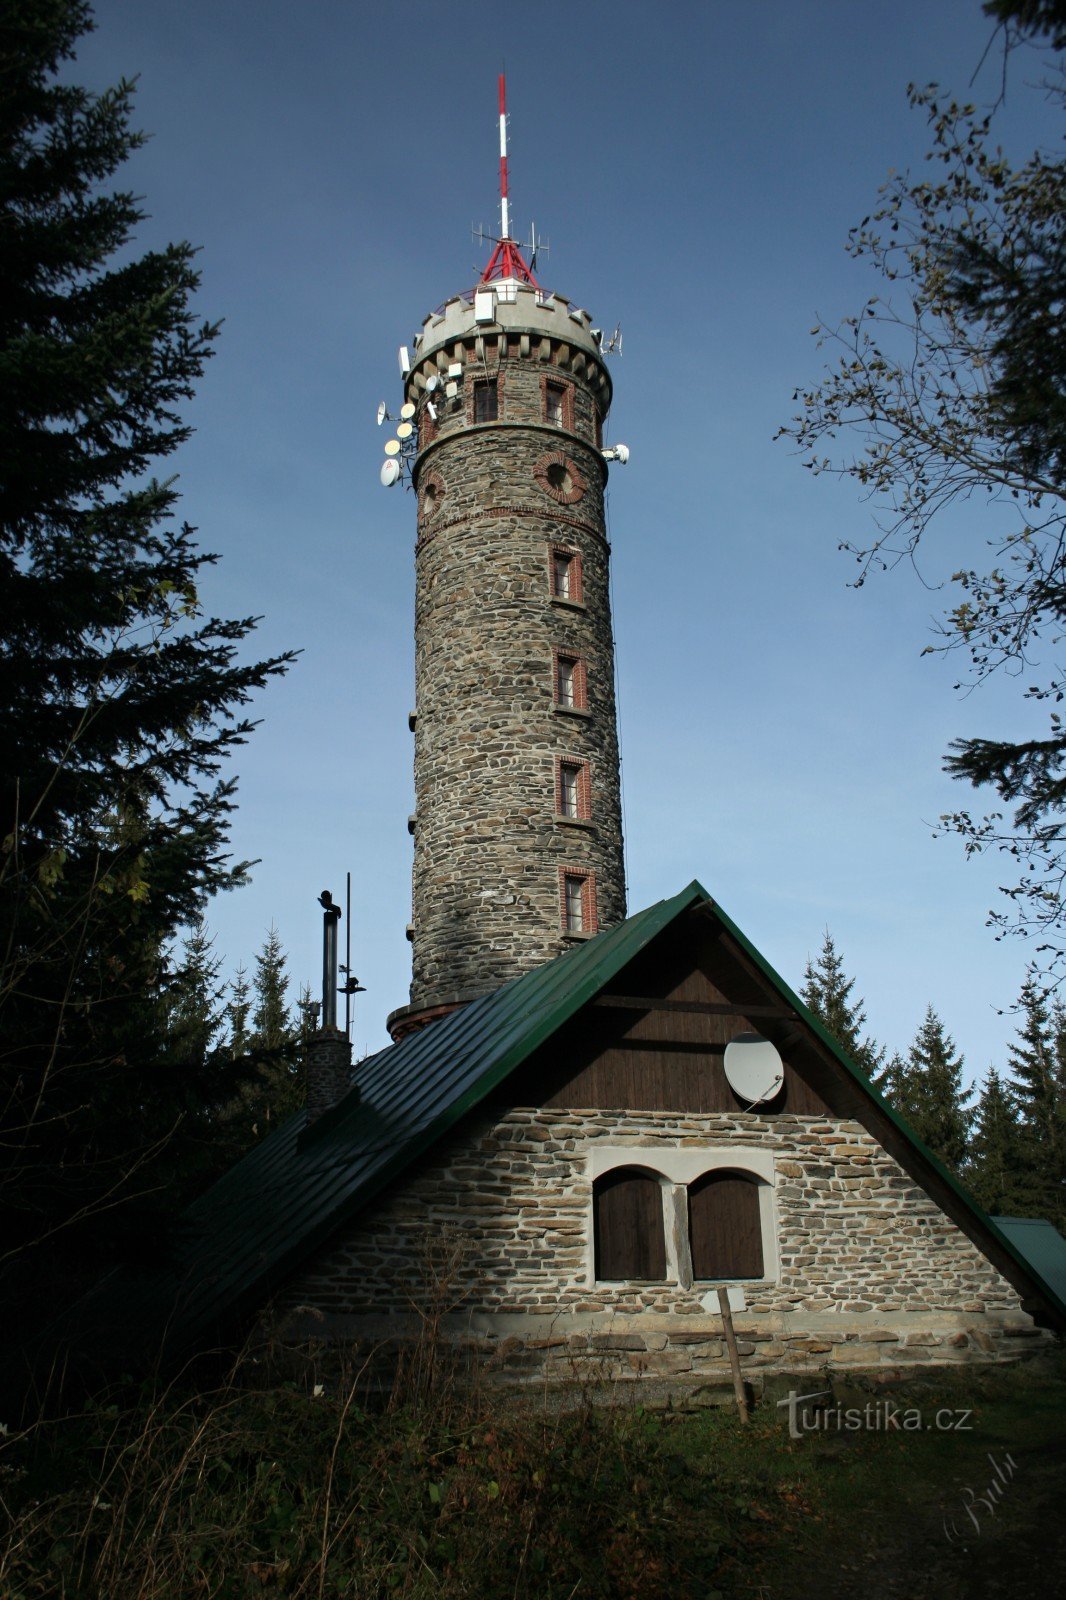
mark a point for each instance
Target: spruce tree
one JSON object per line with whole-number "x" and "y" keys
{"x": 275, "y": 1042}
{"x": 994, "y": 1160}
{"x": 827, "y": 991}
{"x": 193, "y": 999}
{"x": 119, "y": 696}
{"x": 1038, "y": 1087}
{"x": 272, "y": 1027}
{"x": 238, "y": 1011}
{"x": 929, "y": 1093}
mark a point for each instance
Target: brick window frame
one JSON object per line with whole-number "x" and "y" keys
{"x": 582, "y": 790}
{"x": 430, "y": 495}
{"x": 585, "y": 880}
{"x": 561, "y": 659}
{"x": 575, "y": 574}
{"x": 486, "y": 380}
{"x": 559, "y": 478}
{"x": 565, "y": 393}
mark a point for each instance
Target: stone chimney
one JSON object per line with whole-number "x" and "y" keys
{"x": 329, "y": 1071}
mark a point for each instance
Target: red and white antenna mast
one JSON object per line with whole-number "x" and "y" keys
{"x": 506, "y": 260}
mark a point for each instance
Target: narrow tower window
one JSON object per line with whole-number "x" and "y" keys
{"x": 574, "y": 903}
{"x": 558, "y": 403}
{"x": 486, "y": 400}
{"x": 566, "y": 575}
{"x": 570, "y": 683}
{"x": 573, "y": 791}
{"x": 578, "y": 891}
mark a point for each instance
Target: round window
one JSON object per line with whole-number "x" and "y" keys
{"x": 559, "y": 478}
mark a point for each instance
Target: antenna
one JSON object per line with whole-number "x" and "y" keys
{"x": 613, "y": 347}
{"x": 383, "y": 414}
{"x": 505, "y": 219}
{"x": 350, "y": 985}
{"x": 347, "y": 969}
{"x": 506, "y": 260}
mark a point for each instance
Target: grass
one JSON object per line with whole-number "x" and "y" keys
{"x": 274, "y": 1489}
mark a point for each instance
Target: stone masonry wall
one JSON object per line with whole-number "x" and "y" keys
{"x": 489, "y": 847}
{"x": 870, "y": 1272}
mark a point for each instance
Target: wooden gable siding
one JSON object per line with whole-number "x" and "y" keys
{"x": 625, "y": 1059}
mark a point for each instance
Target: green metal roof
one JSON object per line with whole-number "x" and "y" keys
{"x": 262, "y": 1220}
{"x": 1041, "y": 1244}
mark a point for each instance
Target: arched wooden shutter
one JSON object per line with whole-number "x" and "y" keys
{"x": 628, "y": 1221}
{"x": 724, "y": 1228}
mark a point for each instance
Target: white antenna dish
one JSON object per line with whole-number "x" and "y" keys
{"x": 383, "y": 414}
{"x": 618, "y": 452}
{"x": 393, "y": 447}
{"x": 407, "y": 410}
{"x": 432, "y": 384}
{"x": 405, "y": 430}
{"x": 753, "y": 1068}
{"x": 390, "y": 472}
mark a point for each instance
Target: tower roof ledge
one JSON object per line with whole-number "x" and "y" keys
{"x": 513, "y": 307}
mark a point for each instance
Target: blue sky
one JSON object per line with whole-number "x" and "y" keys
{"x": 696, "y": 171}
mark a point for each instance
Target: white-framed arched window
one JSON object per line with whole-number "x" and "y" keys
{"x": 690, "y": 1217}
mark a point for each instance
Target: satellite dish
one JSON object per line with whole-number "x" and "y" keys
{"x": 383, "y": 412}
{"x": 405, "y": 430}
{"x": 432, "y": 384}
{"x": 753, "y": 1068}
{"x": 407, "y": 410}
{"x": 390, "y": 472}
{"x": 393, "y": 447}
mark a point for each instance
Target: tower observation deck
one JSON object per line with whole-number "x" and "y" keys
{"x": 517, "y": 823}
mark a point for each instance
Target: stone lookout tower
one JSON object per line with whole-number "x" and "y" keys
{"x": 517, "y": 822}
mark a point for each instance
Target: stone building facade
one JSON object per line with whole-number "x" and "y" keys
{"x": 863, "y": 1271}
{"x": 868, "y": 1257}
{"x": 517, "y": 822}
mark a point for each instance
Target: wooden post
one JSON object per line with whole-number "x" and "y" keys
{"x": 734, "y": 1353}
